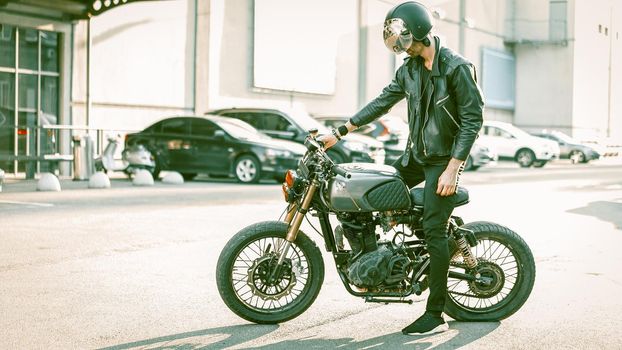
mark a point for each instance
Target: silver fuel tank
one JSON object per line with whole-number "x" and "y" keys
{"x": 372, "y": 187}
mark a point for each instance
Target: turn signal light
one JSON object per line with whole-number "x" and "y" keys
{"x": 290, "y": 177}
{"x": 285, "y": 192}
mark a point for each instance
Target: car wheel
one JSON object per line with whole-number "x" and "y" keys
{"x": 539, "y": 163}
{"x": 188, "y": 176}
{"x": 577, "y": 157}
{"x": 468, "y": 165}
{"x": 247, "y": 169}
{"x": 525, "y": 158}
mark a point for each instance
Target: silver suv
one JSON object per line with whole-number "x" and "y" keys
{"x": 294, "y": 124}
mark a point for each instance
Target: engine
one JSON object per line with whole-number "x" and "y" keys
{"x": 372, "y": 263}
{"x": 383, "y": 266}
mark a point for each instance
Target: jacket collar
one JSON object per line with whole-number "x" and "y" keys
{"x": 436, "y": 72}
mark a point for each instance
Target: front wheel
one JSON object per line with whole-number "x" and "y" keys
{"x": 255, "y": 288}
{"x": 507, "y": 263}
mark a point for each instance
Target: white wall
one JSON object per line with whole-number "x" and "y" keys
{"x": 142, "y": 64}
{"x": 234, "y": 64}
{"x": 591, "y": 69}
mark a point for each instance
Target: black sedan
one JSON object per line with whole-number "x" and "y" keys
{"x": 216, "y": 146}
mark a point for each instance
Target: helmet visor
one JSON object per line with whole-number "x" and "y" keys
{"x": 396, "y": 36}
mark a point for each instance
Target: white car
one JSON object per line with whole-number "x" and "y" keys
{"x": 510, "y": 142}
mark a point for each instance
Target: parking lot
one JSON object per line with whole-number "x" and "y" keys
{"x": 133, "y": 267}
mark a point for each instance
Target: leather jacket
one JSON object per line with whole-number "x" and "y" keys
{"x": 451, "y": 117}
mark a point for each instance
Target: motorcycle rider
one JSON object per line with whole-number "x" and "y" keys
{"x": 445, "y": 108}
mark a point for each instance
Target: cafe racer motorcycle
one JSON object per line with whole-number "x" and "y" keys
{"x": 271, "y": 272}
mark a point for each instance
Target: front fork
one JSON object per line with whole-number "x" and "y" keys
{"x": 294, "y": 218}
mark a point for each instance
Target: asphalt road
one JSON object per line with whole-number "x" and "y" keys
{"x": 133, "y": 267}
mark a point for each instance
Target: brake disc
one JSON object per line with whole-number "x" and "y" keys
{"x": 260, "y": 272}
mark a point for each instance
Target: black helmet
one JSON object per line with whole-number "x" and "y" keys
{"x": 404, "y": 23}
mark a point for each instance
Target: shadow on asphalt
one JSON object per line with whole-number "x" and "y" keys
{"x": 602, "y": 210}
{"x": 462, "y": 333}
{"x": 233, "y": 335}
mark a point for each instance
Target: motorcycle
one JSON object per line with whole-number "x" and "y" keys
{"x": 271, "y": 272}
{"x": 133, "y": 158}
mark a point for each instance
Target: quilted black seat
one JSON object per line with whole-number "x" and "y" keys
{"x": 461, "y": 197}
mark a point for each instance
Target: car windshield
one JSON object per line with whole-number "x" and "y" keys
{"x": 306, "y": 122}
{"x": 241, "y": 130}
{"x": 515, "y": 131}
{"x": 563, "y": 137}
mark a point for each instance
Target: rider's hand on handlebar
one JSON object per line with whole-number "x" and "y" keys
{"x": 329, "y": 140}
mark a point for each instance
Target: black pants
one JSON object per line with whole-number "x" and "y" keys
{"x": 436, "y": 213}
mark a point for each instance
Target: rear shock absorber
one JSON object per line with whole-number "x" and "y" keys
{"x": 465, "y": 247}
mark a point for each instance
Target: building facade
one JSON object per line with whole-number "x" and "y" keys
{"x": 541, "y": 64}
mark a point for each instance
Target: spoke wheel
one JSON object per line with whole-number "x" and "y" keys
{"x": 254, "y": 287}
{"x": 257, "y": 281}
{"x": 505, "y": 275}
{"x": 498, "y": 265}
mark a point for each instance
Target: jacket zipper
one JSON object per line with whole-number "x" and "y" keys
{"x": 451, "y": 116}
{"x": 425, "y": 121}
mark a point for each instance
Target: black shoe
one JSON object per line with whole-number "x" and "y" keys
{"x": 426, "y": 324}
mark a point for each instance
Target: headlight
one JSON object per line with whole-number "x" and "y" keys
{"x": 356, "y": 146}
{"x": 273, "y": 153}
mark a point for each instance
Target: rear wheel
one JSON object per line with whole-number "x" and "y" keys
{"x": 525, "y": 157}
{"x": 250, "y": 283}
{"x": 577, "y": 157}
{"x": 506, "y": 261}
{"x": 248, "y": 169}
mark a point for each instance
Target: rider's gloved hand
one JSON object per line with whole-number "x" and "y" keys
{"x": 329, "y": 140}
{"x": 336, "y": 134}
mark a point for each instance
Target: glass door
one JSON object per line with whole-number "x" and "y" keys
{"x": 29, "y": 65}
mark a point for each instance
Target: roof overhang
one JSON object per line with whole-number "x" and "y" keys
{"x": 69, "y": 9}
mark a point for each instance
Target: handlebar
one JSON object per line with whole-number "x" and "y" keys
{"x": 341, "y": 171}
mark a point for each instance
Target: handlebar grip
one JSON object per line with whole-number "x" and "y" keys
{"x": 341, "y": 171}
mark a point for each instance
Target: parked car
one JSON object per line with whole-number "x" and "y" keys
{"x": 390, "y": 130}
{"x": 570, "y": 148}
{"x": 512, "y": 143}
{"x": 393, "y": 131}
{"x": 294, "y": 124}
{"x": 479, "y": 156}
{"x": 216, "y": 146}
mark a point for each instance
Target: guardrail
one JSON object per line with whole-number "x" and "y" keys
{"x": 42, "y": 148}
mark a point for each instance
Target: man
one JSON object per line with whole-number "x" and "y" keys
{"x": 445, "y": 115}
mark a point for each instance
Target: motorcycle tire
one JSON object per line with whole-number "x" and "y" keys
{"x": 227, "y": 284}
{"x": 525, "y": 271}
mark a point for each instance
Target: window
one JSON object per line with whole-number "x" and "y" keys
{"x": 499, "y": 78}
{"x": 250, "y": 118}
{"x": 273, "y": 122}
{"x": 200, "y": 127}
{"x": 493, "y": 131}
{"x": 175, "y": 126}
{"x": 557, "y": 19}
